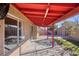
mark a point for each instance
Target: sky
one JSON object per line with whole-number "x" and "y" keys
{"x": 71, "y": 19}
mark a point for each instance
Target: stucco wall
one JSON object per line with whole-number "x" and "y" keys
{"x": 26, "y": 26}
{"x": 2, "y": 37}
{"x": 34, "y": 32}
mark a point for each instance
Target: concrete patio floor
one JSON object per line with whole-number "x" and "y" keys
{"x": 44, "y": 48}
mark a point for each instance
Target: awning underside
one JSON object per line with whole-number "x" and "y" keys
{"x": 43, "y": 14}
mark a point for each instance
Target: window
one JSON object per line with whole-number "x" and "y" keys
{"x": 21, "y": 34}
{"x": 13, "y": 34}
{"x": 10, "y": 34}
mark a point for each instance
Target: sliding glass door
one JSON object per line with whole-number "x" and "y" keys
{"x": 13, "y": 35}
{"x": 20, "y": 31}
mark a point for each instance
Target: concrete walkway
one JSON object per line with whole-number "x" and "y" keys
{"x": 43, "y": 48}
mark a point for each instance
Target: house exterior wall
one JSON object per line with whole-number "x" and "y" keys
{"x": 34, "y": 32}
{"x": 2, "y": 37}
{"x": 26, "y": 28}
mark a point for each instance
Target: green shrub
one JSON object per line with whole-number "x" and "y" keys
{"x": 68, "y": 45}
{"x": 76, "y": 52}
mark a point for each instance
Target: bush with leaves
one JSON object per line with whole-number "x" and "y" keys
{"x": 68, "y": 46}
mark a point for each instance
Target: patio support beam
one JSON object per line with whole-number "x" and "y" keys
{"x": 53, "y": 37}
{"x": 47, "y": 33}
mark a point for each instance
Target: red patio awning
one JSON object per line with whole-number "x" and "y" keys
{"x": 43, "y": 14}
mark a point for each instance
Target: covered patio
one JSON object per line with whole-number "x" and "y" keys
{"x": 33, "y": 28}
